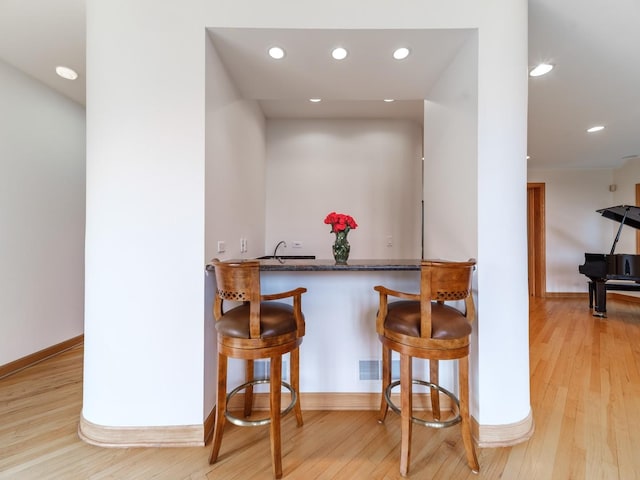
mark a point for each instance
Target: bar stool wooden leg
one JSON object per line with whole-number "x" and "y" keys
{"x": 275, "y": 403}
{"x": 406, "y": 411}
{"x": 472, "y": 459}
{"x": 221, "y": 407}
{"x": 294, "y": 374}
{"x": 386, "y": 380}
{"x": 248, "y": 392}
{"x": 434, "y": 377}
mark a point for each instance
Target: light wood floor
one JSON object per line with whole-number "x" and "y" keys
{"x": 585, "y": 393}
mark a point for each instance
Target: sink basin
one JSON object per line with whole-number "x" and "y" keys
{"x": 288, "y": 257}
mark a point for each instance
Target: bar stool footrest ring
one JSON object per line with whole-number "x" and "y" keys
{"x": 427, "y": 423}
{"x": 262, "y": 421}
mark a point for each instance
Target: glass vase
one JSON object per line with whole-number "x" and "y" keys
{"x": 341, "y": 248}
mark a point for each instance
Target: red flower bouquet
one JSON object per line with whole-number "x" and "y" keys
{"x": 340, "y": 222}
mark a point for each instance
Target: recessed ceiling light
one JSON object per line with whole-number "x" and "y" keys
{"x": 339, "y": 53}
{"x": 66, "y": 72}
{"x": 276, "y": 52}
{"x": 540, "y": 69}
{"x": 388, "y": 100}
{"x": 401, "y": 53}
{"x": 596, "y": 128}
{"x": 315, "y": 100}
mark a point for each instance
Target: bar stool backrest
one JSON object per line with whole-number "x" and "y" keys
{"x": 239, "y": 282}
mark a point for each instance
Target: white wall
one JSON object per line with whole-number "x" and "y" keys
{"x": 234, "y": 186}
{"x": 42, "y": 199}
{"x": 572, "y": 226}
{"x": 235, "y": 166}
{"x": 451, "y": 180}
{"x": 625, "y": 179}
{"x": 146, "y": 182}
{"x": 450, "y": 160}
{"x": 369, "y": 169}
{"x": 144, "y": 340}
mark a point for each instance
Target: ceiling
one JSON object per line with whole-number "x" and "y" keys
{"x": 38, "y": 35}
{"x": 354, "y": 87}
{"x": 594, "y": 46}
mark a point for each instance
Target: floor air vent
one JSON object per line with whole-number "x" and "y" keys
{"x": 372, "y": 369}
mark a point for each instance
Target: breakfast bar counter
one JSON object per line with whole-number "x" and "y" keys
{"x": 340, "y": 354}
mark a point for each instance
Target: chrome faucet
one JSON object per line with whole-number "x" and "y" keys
{"x": 275, "y": 251}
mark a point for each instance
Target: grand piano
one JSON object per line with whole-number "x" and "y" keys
{"x": 605, "y": 271}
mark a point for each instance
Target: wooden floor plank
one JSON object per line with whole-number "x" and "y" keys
{"x": 585, "y": 397}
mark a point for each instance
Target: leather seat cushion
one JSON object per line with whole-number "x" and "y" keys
{"x": 275, "y": 319}
{"x": 446, "y": 322}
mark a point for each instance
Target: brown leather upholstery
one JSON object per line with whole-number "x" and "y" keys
{"x": 446, "y": 322}
{"x": 275, "y": 319}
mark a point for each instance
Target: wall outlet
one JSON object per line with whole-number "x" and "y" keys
{"x": 221, "y": 246}
{"x": 243, "y": 245}
{"x": 296, "y": 244}
{"x": 389, "y": 241}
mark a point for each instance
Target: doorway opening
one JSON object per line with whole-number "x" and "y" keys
{"x": 536, "y": 239}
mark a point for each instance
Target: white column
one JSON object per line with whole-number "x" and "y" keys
{"x": 503, "y": 313}
{"x": 475, "y": 206}
{"x": 145, "y": 214}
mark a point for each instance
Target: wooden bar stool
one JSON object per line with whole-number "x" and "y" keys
{"x": 258, "y": 328}
{"x": 422, "y": 326}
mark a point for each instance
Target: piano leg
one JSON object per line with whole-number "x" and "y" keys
{"x": 600, "y": 309}
{"x": 591, "y": 289}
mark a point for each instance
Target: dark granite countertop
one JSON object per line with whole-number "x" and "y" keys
{"x": 290, "y": 265}
{"x": 330, "y": 265}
